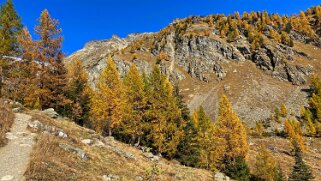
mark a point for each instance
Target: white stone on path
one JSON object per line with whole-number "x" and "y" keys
{"x": 10, "y": 136}
{"x": 7, "y": 178}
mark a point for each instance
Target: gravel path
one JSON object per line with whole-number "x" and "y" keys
{"x": 14, "y": 157}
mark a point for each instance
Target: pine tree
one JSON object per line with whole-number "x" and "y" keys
{"x": 300, "y": 171}
{"x": 231, "y": 130}
{"x": 79, "y": 92}
{"x": 279, "y": 175}
{"x": 10, "y": 27}
{"x": 108, "y": 101}
{"x": 165, "y": 125}
{"x": 187, "y": 149}
{"x": 133, "y": 123}
{"x": 265, "y": 165}
{"x": 238, "y": 170}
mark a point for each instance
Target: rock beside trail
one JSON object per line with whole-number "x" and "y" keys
{"x": 7, "y": 178}
{"x": 111, "y": 177}
{"x": 87, "y": 141}
{"x": 151, "y": 156}
{"x": 17, "y": 110}
{"x": 139, "y": 178}
{"x": 79, "y": 152}
{"x": 221, "y": 177}
{"x": 51, "y": 113}
{"x": 39, "y": 127}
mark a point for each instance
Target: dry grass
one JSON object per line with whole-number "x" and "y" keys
{"x": 50, "y": 162}
{"x": 6, "y": 120}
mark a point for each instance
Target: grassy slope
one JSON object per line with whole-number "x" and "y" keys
{"x": 50, "y": 162}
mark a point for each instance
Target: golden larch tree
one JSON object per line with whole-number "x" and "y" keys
{"x": 165, "y": 124}
{"x": 108, "y": 100}
{"x": 133, "y": 123}
{"x": 230, "y": 129}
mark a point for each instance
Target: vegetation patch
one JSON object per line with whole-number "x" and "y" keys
{"x": 6, "y": 120}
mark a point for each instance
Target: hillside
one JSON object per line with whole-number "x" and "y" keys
{"x": 206, "y": 64}
{"x": 66, "y": 151}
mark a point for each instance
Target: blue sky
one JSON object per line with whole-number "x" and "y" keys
{"x": 83, "y": 20}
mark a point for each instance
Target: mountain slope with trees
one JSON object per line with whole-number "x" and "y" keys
{"x": 168, "y": 94}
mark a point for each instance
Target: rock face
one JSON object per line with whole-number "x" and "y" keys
{"x": 94, "y": 55}
{"x": 199, "y": 56}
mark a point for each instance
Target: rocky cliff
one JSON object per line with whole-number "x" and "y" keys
{"x": 206, "y": 65}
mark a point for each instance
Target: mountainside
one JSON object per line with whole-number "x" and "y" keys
{"x": 206, "y": 63}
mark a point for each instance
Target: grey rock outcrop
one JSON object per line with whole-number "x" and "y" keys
{"x": 79, "y": 152}
{"x": 52, "y": 130}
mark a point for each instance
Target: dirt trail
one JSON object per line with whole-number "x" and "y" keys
{"x": 14, "y": 157}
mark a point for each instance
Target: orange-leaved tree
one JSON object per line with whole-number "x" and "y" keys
{"x": 108, "y": 100}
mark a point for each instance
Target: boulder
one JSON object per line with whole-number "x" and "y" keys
{"x": 221, "y": 177}
{"x": 139, "y": 178}
{"x": 79, "y": 152}
{"x": 151, "y": 156}
{"x": 87, "y": 141}
{"x": 111, "y": 177}
{"x": 62, "y": 134}
{"x": 17, "y": 110}
{"x": 7, "y": 178}
{"x": 51, "y": 113}
{"x": 36, "y": 125}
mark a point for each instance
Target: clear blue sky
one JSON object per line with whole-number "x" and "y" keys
{"x": 84, "y": 20}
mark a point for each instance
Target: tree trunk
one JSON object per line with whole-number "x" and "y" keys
{"x": 138, "y": 141}
{"x": 109, "y": 131}
{"x": 132, "y": 142}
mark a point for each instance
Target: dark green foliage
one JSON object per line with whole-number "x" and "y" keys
{"x": 79, "y": 93}
{"x": 279, "y": 175}
{"x": 10, "y": 27}
{"x": 288, "y": 27}
{"x": 301, "y": 171}
{"x": 187, "y": 152}
{"x": 238, "y": 170}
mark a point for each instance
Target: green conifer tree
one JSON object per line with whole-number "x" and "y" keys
{"x": 301, "y": 171}
{"x": 10, "y": 27}
{"x": 238, "y": 170}
{"x": 79, "y": 92}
